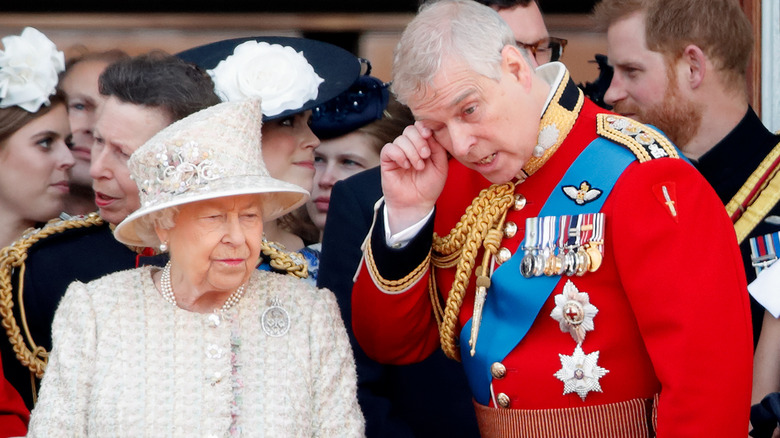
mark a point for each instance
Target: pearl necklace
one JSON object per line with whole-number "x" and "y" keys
{"x": 167, "y": 290}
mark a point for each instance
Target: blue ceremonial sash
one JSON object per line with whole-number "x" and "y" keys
{"x": 513, "y": 301}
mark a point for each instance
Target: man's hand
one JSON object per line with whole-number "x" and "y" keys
{"x": 414, "y": 169}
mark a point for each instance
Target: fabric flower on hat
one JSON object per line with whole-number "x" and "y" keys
{"x": 29, "y": 69}
{"x": 277, "y": 74}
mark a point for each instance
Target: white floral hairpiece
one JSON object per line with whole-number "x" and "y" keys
{"x": 29, "y": 69}
{"x": 277, "y": 74}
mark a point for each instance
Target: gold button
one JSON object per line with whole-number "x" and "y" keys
{"x": 498, "y": 370}
{"x": 503, "y": 255}
{"x": 503, "y": 400}
{"x": 510, "y": 229}
{"x": 519, "y": 202}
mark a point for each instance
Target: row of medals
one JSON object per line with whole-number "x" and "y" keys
{"x": 563, "y": 245}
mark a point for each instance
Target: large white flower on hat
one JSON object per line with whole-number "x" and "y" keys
{"x": 29, "y": 69}
{"x": 277, "y": 74}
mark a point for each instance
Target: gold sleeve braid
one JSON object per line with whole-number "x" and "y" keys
{"x": 12, "y": 257}
{"x": 401, "y": 283}
{"x": 479, "y": 227}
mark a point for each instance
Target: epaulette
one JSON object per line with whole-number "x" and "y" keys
{"x": 12, "y": 258}
{"x": 645, "y": 142}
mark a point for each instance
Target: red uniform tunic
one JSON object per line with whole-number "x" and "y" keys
{"x": 14, "y": 416}
{"x": 673, "y": 315}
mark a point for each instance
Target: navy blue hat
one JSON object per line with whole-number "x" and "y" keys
{"x": 273, "y": 66}
{"x": 363, "y": 103}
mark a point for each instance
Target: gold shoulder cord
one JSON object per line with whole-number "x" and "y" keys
{"x": 13, "y": 257}
{"x": 282, "y": 260}
{"x": 480, "y": 225}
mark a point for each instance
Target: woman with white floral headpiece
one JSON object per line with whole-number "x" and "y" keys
{"x": 207, "y": 345}
{"x": 291, "y": 76}
{"x": 34, "y": 157}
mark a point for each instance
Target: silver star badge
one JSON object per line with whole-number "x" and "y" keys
{"x": 574, "y": 312}
{"x": 580, "y": 373}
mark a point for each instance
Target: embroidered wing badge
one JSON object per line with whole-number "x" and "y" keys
{"x": 583, "y": 194}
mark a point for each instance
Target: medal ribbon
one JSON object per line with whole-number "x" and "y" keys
{"x": 586, "y": 228}
{"x": 763, "y": 250}
{"x": 598, "y": 232}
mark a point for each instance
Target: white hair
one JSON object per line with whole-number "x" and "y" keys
{"x": 451, "y": 30}
{"x": 164, "y": 219}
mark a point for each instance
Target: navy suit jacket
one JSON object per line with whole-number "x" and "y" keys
{"x": 426, "y": 399}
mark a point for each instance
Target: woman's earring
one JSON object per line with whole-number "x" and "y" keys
{"x": 164, "y": 247}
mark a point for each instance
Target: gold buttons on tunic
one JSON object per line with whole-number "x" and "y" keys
{"x": 510, "y": 229}
{"x": 498, "y": 370}
{"x": 519, "y": 202}
{"x": 503, "y": 400}
{"x": 503, "y": 255}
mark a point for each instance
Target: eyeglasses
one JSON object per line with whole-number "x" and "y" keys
{"x": 545, "y": 50}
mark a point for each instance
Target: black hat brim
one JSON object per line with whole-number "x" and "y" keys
{"x": 337, "y": 67}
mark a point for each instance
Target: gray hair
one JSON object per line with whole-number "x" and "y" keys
{"x": 165, "y": 219}
{"x": 459, "y": 30}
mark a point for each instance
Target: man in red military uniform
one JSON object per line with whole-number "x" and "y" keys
{"x": 584, "y": 273}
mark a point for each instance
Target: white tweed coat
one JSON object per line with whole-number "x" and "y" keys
{"x": 126, "y": 363}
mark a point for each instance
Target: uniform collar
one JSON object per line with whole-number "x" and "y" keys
{"x": 560, "y": 111}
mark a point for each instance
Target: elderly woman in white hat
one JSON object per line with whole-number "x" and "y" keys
{"x": 292, "y": 76}
{"x": 209, "y": 345}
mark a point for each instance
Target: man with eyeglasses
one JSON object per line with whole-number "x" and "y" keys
{"x": 525, "y": 19}
{"x": 397, "y": 400}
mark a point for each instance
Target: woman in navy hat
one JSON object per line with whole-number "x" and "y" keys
{"x": 352, "y": 129}
{"x": 291, "y": 76}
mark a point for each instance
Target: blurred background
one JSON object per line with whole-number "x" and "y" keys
{"x": 369, "y": 29}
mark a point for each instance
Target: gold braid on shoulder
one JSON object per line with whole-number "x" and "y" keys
{"x": 288, "y": 261}
{"x": 480, "y": 226}
{"x": 12, "y": 257}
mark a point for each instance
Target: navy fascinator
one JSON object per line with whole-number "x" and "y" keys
{"x": 363, "y": 103}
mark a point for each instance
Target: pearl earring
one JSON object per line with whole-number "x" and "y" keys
{"x": 164, "y": 247}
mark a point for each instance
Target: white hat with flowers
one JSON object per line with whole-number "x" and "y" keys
{"x": 213, "y": 153}
{"x": 29, "y": 68}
